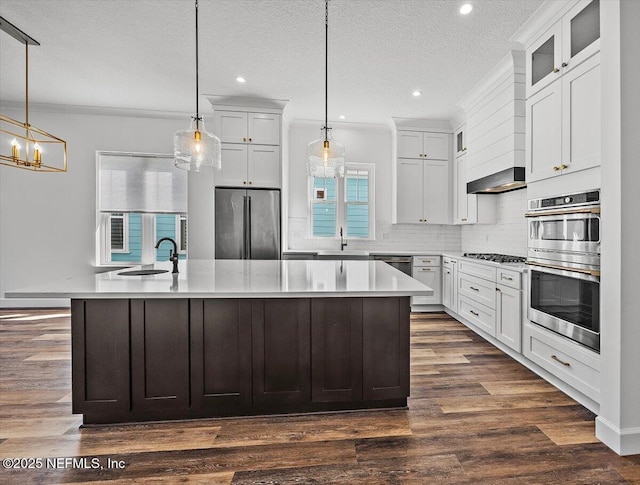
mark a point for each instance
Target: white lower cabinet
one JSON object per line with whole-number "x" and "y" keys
{"x": 449, "y": 279}
{"x": 427, "y": 270}
{"x": 508, "y": 316}
{"x": 478, "y": 314}
{"x": 565, "y": 359}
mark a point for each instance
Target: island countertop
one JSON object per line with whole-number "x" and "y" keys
{"x": 239, "y": 279}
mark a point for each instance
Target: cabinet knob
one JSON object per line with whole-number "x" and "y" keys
{"x": 250, "y": 183}
{"x": 464, "y": 219}
{"x": 556, "y": 70}
{"x": 420, "y": 155}
{"x": 556, "y": 168}
{"x": 244, "y": 139}
{"x": 564, "y": 64}
{"x": 245, "y": 182}
{"x": 497, "y": 289}
{"x": 420, "y": 220}
{"x": 249, "y": 139}
{"x": 563, "y": 166}
{"x": 464, "y": 149}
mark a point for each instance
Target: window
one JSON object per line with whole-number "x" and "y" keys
{"x": 336, "y": 203}
{"x": 119, "y": 226}
{"x": 141, "y": 199}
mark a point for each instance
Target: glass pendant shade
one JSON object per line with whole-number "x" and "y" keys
{"x": 195, "y": 148}
{"x": 325, "y": 156}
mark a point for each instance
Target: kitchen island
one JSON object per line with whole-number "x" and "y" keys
{"x": 232, "y": 337}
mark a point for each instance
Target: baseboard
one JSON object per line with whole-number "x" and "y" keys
{"x": 427, "y": 308}
{"x": 35, "y": 303}
{"x": 623, "y": 441}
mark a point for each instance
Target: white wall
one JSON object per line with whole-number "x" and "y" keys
{"x": 366, "y": 143}
{"x": 47, "y": 220}
{"x": 508, "y": 235}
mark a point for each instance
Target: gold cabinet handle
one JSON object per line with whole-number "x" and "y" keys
{"x": 464, "y": 219}
{"x": 556, "y": 168}
{"x": 464, "y": 149}
{"x": 567, "y": 364}
{"x": 244, "y": 139}
{"x": 420, "y": 220}
{"x": 425, "y": 269}
{"x": 563, "y": 166}
{"x": 426, "y": 260}
{"x": 474, "y": 313}
{"x": 421, "y": 155}
{"x": 556, "y": 70}
{"x": 508, "y": 278}
{"x": 474, "y": 289}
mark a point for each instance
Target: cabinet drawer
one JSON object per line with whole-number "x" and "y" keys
{"x": 482, "y": 317}
{"x": 478, "y": 290}
{"x": 509, "y": 278}
{"x": 448, "y": 262}
{"x": 426, "y": 260}
{"x": 480, "y": 270}
{"x": 568, "y": 361}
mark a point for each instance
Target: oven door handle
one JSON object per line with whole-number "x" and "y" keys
{"x": 591, "y": 272}
{"x": 561, "y": 212}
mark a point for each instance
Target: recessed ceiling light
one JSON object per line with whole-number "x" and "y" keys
{"x": 417, "y": 93}
{"x": 342, "y": 117}
{"x": 466, "y": 8}
{"x": 241, "y": 80}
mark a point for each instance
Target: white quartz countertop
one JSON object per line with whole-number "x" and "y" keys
{"x": 239, "y": 279}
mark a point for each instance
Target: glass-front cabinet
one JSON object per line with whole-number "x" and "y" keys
{"x": 571, "y": 40}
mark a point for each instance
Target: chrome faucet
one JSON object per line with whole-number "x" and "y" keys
{"x": 173, "y": 256}
{"x": 343, "y": 243}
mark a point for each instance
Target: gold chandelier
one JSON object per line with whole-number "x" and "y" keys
{"x": 23, "y": 145}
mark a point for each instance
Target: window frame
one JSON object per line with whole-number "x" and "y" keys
{"x": 342, "y": 204}
{"x": 179, "y": 241}
{"x": 125, "y": 232}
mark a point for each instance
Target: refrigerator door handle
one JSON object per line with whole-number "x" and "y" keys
{"x": 247, "y": 223}
{"x": 244, "y": 227}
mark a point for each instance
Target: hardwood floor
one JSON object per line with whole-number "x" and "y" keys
{"x": 475, "y": 416}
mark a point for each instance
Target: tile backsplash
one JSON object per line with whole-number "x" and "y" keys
{"x": 508, "y": 235}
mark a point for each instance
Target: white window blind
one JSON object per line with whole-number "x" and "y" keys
{"x": 135, "y": 182}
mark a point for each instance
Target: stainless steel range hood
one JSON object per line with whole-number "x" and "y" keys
{"x": 497, "y": 183}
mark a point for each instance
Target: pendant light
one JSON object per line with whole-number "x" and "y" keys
{"x": 195, "y": 148}
{"x": 31, "y": 148}
{"x": 325, "y": 156}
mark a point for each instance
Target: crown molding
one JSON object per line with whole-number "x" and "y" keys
{"x": 94, "y": 110}
{"x": 542, "y": 19}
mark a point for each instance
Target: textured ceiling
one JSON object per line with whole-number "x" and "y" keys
{"x": 141, "y": 53}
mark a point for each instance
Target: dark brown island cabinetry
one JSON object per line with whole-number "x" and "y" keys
{"x": 155, "y": 359}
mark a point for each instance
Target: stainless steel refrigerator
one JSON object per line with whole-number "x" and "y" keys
{"x": 247, "y": 224}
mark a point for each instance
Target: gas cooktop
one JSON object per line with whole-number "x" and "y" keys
{"x": 496, "y": 258}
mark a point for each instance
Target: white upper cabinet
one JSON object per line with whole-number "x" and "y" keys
{"x": 234, "y": 166}
{"x": 263, "y": 166}
{"x": 425, "y": 145}
{"x": 422, "y": 192}
{"x": 569, "y": 42}
{"x": 243, "y": 127}
{"x": 564, "y": 124}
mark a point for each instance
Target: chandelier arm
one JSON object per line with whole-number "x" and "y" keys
{"x": 26, "y": 82}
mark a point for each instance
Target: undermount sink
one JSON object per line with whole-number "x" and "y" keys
{"x": 142, "y": 272}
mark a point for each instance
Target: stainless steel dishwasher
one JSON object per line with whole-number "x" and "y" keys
{"x": 403, "y": 263}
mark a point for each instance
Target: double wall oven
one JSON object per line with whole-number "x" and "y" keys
{"x": 564, "y": 265}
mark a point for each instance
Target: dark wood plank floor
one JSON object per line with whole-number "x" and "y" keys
{"x": 475, "y": 416}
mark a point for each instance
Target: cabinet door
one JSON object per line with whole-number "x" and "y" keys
{"x": 263, "y": 128}
{"x": 544, "y": 133}
{"x": 410, "y": 144}
{"x": 159, "y": 355}
{"x": 461, "y": 200}
{"x": 454, "y": 285}
{"x": 459, "y": 141}
{"x": 581, "y": 119}
{"x": 385, "y": 348}
{"x": 220, "y": 354}
{"x": 231, "y": 126}
{"x": 263, "y": 167}
{"x": 436, "y": 192}
{"x": 436, "y": 146}
{"x": 409, "y": 191}
{"x": 581, "y": 30}
{"x": 233, "y": 172}
{"x": 543, "y": 59}
{"x": 336, "y": 349}
{"x": 430, "y": 276}
{"x": 100, "y": 356}
{"x": 281, "y": 341}
{"x": 508, "y": 323}
{"x": 446, "y": 287}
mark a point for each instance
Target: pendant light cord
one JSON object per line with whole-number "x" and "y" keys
{"x": 326, "y": 70}
{"x": 197, "y": 74}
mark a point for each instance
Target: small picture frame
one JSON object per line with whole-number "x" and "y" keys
{"x": 320, "y": 194}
